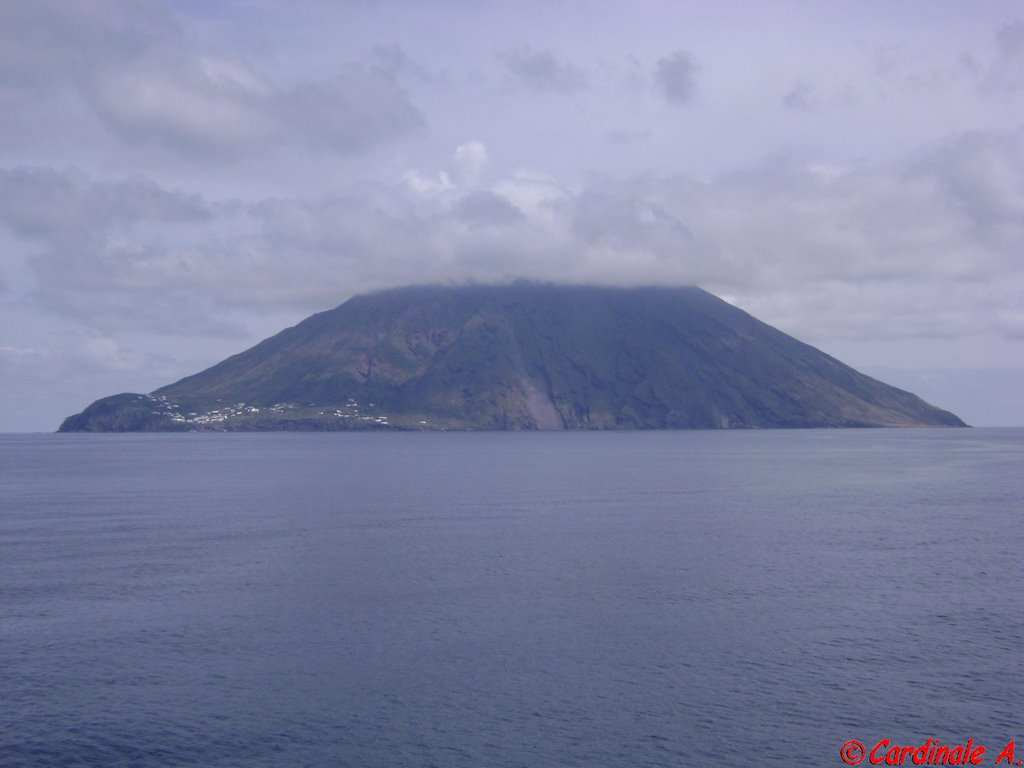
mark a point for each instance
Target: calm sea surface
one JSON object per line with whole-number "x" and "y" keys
{"x": 546, "y": 599}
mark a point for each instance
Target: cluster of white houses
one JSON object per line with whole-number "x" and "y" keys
{"x": 237, "y": 410}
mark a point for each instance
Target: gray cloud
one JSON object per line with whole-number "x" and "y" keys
{"x": 922, "y": 250}
{"x": 130, "y": 254}
{"x": 982, "y": 176}
{"x": 676, "y": 76}
{"x": 47, "y": 44}
{"x": 1006, "y": 73}
{"x": 625, "y": 223}
{"x": 393, "y": 60}
{"x": 806, "y": 96}
{"x": 61, "y": 206}
{"x": 802, "y": 97}
{"x": 542, "y": 70}
{"x": 99, "y": 246}
{"x": 132, "y": 68}
{"x": 486, "y": 209}
{"x": 356, "y": 110}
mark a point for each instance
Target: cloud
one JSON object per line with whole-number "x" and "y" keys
{"x": 357, "y": 109}
{"x": 49, "y": 43}
{"x": 469, "y": 160}
{"x": 105, "y": 353}
{"x": 982, "y": 177}
{"x": 676, "y": 76}
{"x": 144, "y": 82}
{"x": 542, "y": 70}
{"x": 96, "y": 247}
{"x": 925, "y": 248}
{"x": 802, "y": 97}
{"x": 63, "y": 206}
{"x": 395, "y": 61}
{"x": 40, "y": 385}
{"x": 1006, "y": 73}
{"x": 129, "y": 255}
{"x": 486, "y": 209}
{"x": 196, "y": 105}
{"x": 176, "y": 104}
{"x": 11, "y": 356}
{"x": 806, "y": 96}
{"x": 627, "y": 224}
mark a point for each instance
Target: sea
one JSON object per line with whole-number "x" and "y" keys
{"x": 706, "y": 598}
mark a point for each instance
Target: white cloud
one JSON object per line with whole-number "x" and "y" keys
{"x": 469, "y": 160}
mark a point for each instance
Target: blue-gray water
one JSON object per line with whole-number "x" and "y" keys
{"x": 612, "y": 599}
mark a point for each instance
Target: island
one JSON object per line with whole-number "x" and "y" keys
{"x": 521, "y": 356}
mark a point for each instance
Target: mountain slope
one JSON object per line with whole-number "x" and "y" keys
{"x": 522, "y": 356}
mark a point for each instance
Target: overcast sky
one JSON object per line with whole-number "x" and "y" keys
{"x": 179, "y": 180}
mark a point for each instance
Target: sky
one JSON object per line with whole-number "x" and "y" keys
{"x": 181, "y": 179}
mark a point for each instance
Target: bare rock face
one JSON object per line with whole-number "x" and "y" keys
{"x": 521, "y": 356}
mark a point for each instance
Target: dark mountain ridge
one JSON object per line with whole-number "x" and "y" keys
{"x": 521, "y": 356}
